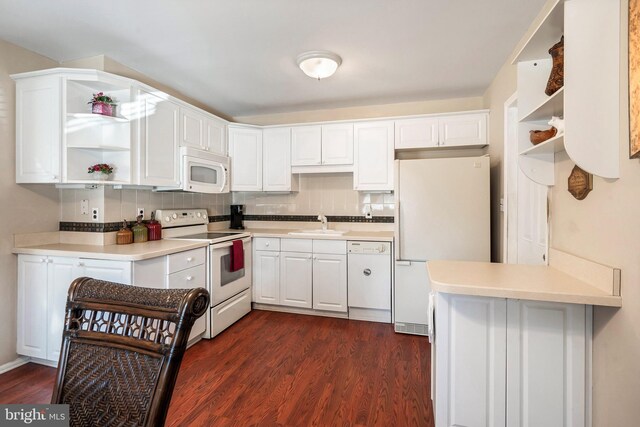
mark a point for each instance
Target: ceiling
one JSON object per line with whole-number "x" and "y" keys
{"x": 238, "y": 56}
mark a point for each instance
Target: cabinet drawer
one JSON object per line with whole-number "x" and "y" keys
{"x": 296, "y": 245}
{"x": 266, "y": 244}
{"x": 330, "y": 247}
{"x": 193, "y": 277}
{"x": 186, "y": 259}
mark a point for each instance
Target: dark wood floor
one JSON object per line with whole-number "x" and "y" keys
{"x": 277, "y": 369}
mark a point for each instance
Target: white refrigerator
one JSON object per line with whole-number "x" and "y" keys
{"x": 442, "y": 212}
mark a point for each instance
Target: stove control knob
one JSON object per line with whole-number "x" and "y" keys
{"x": 168, "y": 219}
{"x": 175, "y": 216}
{"x": 199, "y": 215}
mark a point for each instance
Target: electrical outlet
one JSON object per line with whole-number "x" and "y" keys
{"x": 84, "y": 207}
{"x": 95, "y": 213}
{"x": 140, "y": 212}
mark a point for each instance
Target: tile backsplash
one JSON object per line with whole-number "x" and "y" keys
{"x": 329, "y": 194}
{"x": 319, "y": 193}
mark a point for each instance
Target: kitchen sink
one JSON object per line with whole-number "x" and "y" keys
{"x": 317, "y": 232}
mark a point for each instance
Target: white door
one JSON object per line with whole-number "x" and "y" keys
{"x": 112, "y": 271}
{"x": 330, "y": 282}
{"x": 295, "y": 279}
{"x": 192, "y": 127}
{"x": 373, "y": 156}
{"x": 276, "y": 154}
{"x": 32, "y": 306}
{"x": 546, "y": 368}
{"x": 216, "y": 136}
{"x": 266, "y": 277}
{"x": 465, "y": 129}
{"x": 158, "y": 138}
{"x": 471, "y": 354}
{"x": 306, "y": 145}
{"x": 245, "y": 150}
{"x": 416, "y": 133}
{"x": 61, "y": 272}
{"x": 38, "y": 130}
{"x": 337, "y": 144}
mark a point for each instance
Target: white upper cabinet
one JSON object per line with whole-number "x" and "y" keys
{"x": 465, "y": 129}
{"x": 276, "y": 155}
{"x": 306, "y": 146}
{"x": 416, "y": 133}
{"x": 202, "y": 131}
{"x": 38, "y": 129}
{"x": 245, "y": 150}
{"x": 158, "y": 138}
{"x": 322, "y": 145}
{"x": 373, "y": 156}
{"x": 337, "y": 144}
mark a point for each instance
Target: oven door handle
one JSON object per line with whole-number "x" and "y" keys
{"x": 229, "y": 243}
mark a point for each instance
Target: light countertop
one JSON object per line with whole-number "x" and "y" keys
{"x": 382, "y": 236}
{"x": 517, "y": 281}
{"x": 132, "y": 252}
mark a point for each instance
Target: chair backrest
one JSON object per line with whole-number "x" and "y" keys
{"x": 121, "y": 351}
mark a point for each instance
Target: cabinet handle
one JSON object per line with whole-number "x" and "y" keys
{"x": 189, "y": 278}
{"x": 367, "y": 272}
{"x": 81, "y": 264}
{"x": 50, "y": 261}
{"x": 43, "y": 260}
{"x": 266, "y": 244}
{"x": 277, "y": 255}
{"x": 189, "y": 259}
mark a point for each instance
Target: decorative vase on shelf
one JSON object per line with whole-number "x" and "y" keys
{"x": 102, "y": 108}
{"x": 556, "y": 79}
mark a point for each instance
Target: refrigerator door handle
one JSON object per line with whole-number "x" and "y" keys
{"x": 401, "y": 263}
{"x": 396, "y": 241}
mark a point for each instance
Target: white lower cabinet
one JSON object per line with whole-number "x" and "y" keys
{"x": 330, "y": 282}
{"x": 305, "y": 274}
{"x": 503, "y": 362}
{"x": 43, "y": 284}
{"x": 295, "y": 279}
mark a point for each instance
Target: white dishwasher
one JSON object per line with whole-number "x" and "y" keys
{"x": 369, "y": 281}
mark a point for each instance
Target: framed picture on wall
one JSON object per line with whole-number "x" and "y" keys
{"x": 634, "y": 78}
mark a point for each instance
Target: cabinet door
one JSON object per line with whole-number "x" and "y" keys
{"x": 192, "y": 129}
{"x": 306, "y": 145}
{"x": 416, "y": 133}
{"x": 32, "y": 306}
{"x": 216, "y": 136}
{"x": 546, "y": 364}
{"x": 38, "y": 130}
{"x": 113, "y": 271}
{"x": 470, "y": 349}
{"x": 266, "y": 277}
{"x": 467, "y": 129}
{"x": 61, "y": 272}
{"x": 295, "y": 279}
{"x": 276, "y": 170}
{"x": 373, "y": 156}
{"x": 245, "y": 150}
{"x": 158, "y": 129}
{"x": 337, "y": 144}
{"x": 330, "y": 282}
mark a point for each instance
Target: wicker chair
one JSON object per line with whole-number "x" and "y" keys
{"x": 121, "y": 351}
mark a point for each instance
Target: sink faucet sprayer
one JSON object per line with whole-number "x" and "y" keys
{"x": 323, "y": 221}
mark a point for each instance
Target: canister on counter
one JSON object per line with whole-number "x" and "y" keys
{"x": 140, "y": 231}
{"x": 124, "y": 236}
{"x": 155, "y": 229}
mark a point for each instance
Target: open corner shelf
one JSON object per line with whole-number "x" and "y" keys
{"x": 552, "y": 106}
{"x": 546, "y": 35}
{"x": 552, "y": 145}
{"x": 99, "y": 147}
{"x": 97, "y": 117}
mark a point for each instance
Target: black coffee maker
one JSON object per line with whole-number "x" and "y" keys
{"x": 237, "y": 215}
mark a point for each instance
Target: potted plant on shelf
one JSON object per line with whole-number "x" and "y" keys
{"x": 100, "y": 171}
{"x": 103, "y": 104}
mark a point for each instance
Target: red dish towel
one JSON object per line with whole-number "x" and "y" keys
{"x": 237, "y": 256}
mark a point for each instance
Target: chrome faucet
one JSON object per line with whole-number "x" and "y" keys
{"x": 323, "y": 221}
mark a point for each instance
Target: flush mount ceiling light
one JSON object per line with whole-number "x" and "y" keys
{"x": 319, "y": 64}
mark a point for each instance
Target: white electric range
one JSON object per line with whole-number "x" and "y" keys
{"x": 230, "y": 291}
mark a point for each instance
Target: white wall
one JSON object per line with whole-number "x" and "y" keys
{"x": 26, "y": 208}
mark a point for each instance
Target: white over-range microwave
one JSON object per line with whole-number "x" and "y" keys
{"x": 202, "y": 172}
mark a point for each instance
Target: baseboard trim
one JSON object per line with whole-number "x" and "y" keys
{"x": 21, "y": 360}
{"x": 295, "y": 310}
